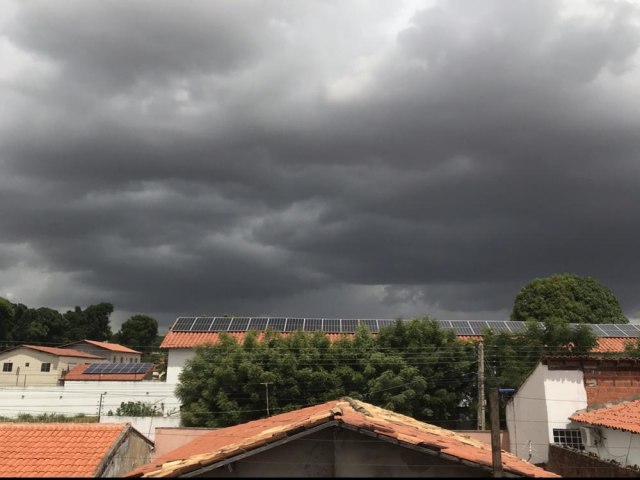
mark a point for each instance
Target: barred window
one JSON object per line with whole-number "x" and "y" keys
{"x": 568, "y": 437}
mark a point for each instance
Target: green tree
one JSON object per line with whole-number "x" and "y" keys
{"x": 92, "y": 323}
{"x": 139, "y": 332}
{"x": 7, "y": 310}
{"x": 138, "y": 409}
{"x": 569, "y": 297}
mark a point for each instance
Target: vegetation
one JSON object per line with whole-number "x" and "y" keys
{"x": 568, "y": 297}
{"x": 137, "y": 409}
{"x": 52, "y": 418}
{"x": 20, "y": 324}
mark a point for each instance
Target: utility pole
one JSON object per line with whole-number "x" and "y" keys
{"x": 100, "y": 406}
{"x": 481, "y": 401}
{"x": 266, "y": 386}
{"x": 494, "y": 413}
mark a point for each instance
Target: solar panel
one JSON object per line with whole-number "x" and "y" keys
{"x": 276, "y": 324}
{"x": 498, "y": 326}
{"x": 611, "y": 330}
{"x": 238, "y": 324}
{"x": 461, "y": 327}
{"x": 294, "y": 324}
{"x": 331, "y": 325}
{"x": 220, "y": 324}
{"x": 349, "y": 325}
{"x": 183, "y": 324}
{"x": 477, "y": 326}
{"x": 385, "y": 323}
{"x": 312, "y": 324}
{"x": 516, "y": 327}
{"x": 92, "y": 368}
{"x": 444, "y": 323}
{"x": 258, "y": 324}
{"x": 629, "y": 329}
{"x": 594, "y": 328}
{"x": 202, "y": 324}
{"x": 371, "y": 324}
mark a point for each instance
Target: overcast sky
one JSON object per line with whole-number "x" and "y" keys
{"x": 367, "y": 159}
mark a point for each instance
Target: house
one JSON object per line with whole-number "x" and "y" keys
{"x": 71, "y": 449}
{"x": 29, "y": 365}
{"x": 342, "y": 438}
{"x": 109, "y": 372}
{"x": 113, "y": 352}
{"x": 538, "y": 414}
{"x": 188, "y": 332}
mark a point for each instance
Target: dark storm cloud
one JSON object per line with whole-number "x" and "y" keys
{"x": 255, "y": 157}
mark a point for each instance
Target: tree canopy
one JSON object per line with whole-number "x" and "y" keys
{"x": 569, "y": 297}
{"x": 412, "y": 367}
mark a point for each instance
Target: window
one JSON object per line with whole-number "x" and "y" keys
{"x": 568, "y": 438}
{"x": 45, "y": 367}
{"x": 121, "y": 360}
{"x": 7, "y": 367}
{"x": 26, "y": 364}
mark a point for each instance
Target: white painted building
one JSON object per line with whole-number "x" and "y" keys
{"x": 28, "y": 365}
{"x": 538, "y": 414}
{"x": 544, "y": 402}
{"x": 611, "y": 433}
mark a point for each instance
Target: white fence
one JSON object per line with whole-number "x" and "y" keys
{"x": 88, "y": 398}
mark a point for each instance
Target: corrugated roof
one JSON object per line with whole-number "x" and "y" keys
{"x": 55, "y": 449}
{"x": 226, "y": 443}
{"x": 77, "y": 374}
{"x": 624, "y": 416}
{"x": 113, "y": 347}
{"x": 63, "y": 352}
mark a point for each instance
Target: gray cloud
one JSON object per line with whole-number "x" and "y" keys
{"x": 331, "y": 158}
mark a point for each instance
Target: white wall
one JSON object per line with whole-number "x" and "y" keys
{"x": 175, "y": 362}
{"x": 545, "y": 401}
{"x": 84, "y": 397}
{"x": 526, "y": 414}
{"x": 623, "y": 447}
{"x": 145, "y": 425}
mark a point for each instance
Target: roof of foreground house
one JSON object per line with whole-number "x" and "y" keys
{"x": 221, "y": 446}
{"x": 624, "y": 416}
{"x": 113, "y": 347}
{"x": 56, "y": 449}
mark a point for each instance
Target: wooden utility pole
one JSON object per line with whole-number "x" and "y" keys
{"x": 494, "y": 413}
{"x": 481, "y": 403}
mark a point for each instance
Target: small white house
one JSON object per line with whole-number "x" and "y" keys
{"x": 538, "y": 414}
{"x": 29, "y": 365}
{"x": 611, "y": 433}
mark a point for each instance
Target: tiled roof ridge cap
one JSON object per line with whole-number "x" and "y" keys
{"x": 357, "y": 406}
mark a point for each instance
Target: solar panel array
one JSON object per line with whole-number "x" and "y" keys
{"x": 112, "y": 368}
{"x": 349, "y": 325}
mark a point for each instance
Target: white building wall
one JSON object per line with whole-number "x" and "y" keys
{"x": 145, "y": 425}
{"x": 526, "y": 415}
{"x": 545, "y": 401}
{"x": 86, "y": 398}
{"x": 177, "y": 357}
{"x": 618, "y": 445}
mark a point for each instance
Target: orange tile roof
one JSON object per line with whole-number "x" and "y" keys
{"x": 63, "y": 352}
{"x": 77, "y": 373}
{"x": 624, "y": 416}
{"x": 612, "y": 344}
{"x": 114, "y": 347}
{"x": 226, "y": 443}
{"x": 193, "y": 339}
{"x": 55, "y": 449}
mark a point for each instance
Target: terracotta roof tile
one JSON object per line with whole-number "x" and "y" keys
{"x": 55, "y": 449}
{"x": 113, "y": 347}
{"x": 192, "y": 339}
{"x": 77, "y": 373}
{"x": 624, "y": 416}
{"x": 63, "y": 352}
{"x": 228, "y": 442}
